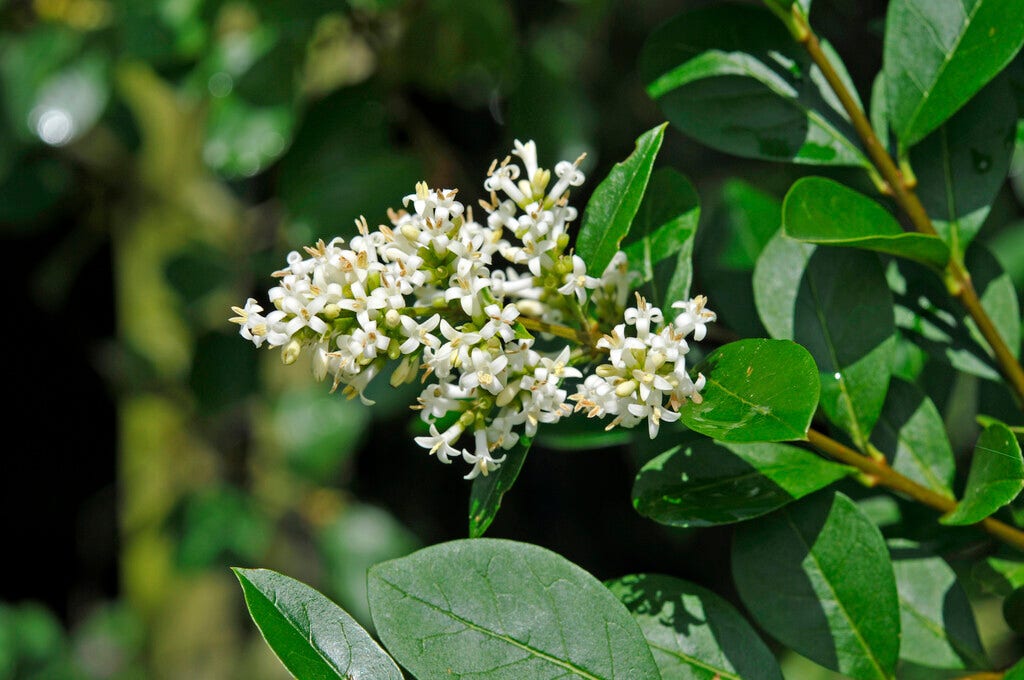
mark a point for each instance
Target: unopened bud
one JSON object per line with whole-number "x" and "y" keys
{"x": 625, "y": 388}
{"x": 392, "y": 318}
{"x": 331, "y": 312}
{"x": 410, "y": 231}
{"x": 290, "y": 352}
{"x": 606, "y": 370}
{"x": 506, "y": 396}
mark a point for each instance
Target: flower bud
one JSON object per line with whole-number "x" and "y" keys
{"x": 290, "y": 352}
{"x": 625, "y": 388}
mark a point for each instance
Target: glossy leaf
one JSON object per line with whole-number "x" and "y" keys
{"x": 777, "y": 276}
{"x": 733, "y": 77}
{"x": 995, "y": 479}
{"x": 486, "y": 493}
{"x": 693, "y": 633}
{"x": 817, "y": 576}
{"x": 836, "y": 304}
{"x": 926, "y": 314}
{"x": 703, "y": 483}
{"x": 660, "y": 242}
{"x": 936, "y": 621}
{"x": 757, "y": 391}
{"x": 937, "y": 55}
{"x": 911, "y": 434}
{"x": 961, "y": 166}
{"x": 822, "y": 211}
{"x": 1015, "y": 672}
{"x": 312, "y": 636}
{"x": 998, "y": 576}
{"x": 501, "y": 609}
{"x": 615, "y": 201}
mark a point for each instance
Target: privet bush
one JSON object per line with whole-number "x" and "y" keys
{"x": 517, "y": 312}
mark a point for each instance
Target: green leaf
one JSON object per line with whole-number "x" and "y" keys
{"x": 936, "y": 622}
{"x": 995, "y": 479}
{"x": 926, "y": 314}
{"x": 835, "y": 302}
{"x": 937, "y": 55}
{"x": 733, "y": 77}
{"x": 911, "y": 434}
{"x": 500, "y": 609}
{"x": 777, "y": 276}
{"x": 825, "y": 212}
{"x": 486, "y": 493}
{"x": 703, "y": 483}
{"x": 817, "y": 576}
{"x": 693, "y": 633}
{"x": 1015, "y": 672}
{"x": 665, "y": 226}
{"x": 615, "y": 201}
{"x": 751, "y": 218}
{"x": 757, "y": 391}
{"x": 312, "y": 636}
{"x": 961, "y": 166}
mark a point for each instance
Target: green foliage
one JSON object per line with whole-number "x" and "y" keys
{"x": 817, "y": 576}
{"x": 834, "y": 302}
{"x": 693, "y": 633}
{"x": 937, "y": 625}
{"x": 705, "y": 484}
{"x": 313, "y": 637}
{"x": 757, "y": 391}
{"x": 614, "y": 203}
{"x": 938, "y": 55}
{"x": 665, "y": 225}
{"x": 995, "y": 479}
{"x": 821, "y": 211}
{"x": 501, "y": 609}
{"x": 911, "y": 432}
{"x": 487, "y": 492}
{"x": 732, "y": 76}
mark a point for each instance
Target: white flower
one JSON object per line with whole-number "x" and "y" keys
{"x": 481, "y": 460}
{"x": 577, "y": 282}
{"x": 440, "y": 443}
{"x": 499, "y": 322}
{"x": 419, "y": 334}
{"x": 485, "y": 371}
{"x": 694, "y": 317}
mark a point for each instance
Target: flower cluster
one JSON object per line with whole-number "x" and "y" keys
{"x": 646, "y": 376}
{"x": 461, "y": 302}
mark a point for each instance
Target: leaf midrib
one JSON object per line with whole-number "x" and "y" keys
{"x": 835, "y": 598}
{"x": 567, "y": 665}
{"x": 947, "y": 59}
{"x": 693, "y": 661}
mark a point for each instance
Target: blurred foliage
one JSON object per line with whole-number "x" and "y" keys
{"x": 198, "y": 141}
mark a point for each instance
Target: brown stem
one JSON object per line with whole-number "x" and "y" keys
{"x": 903, "y": 192}
{"x": 879, "y": 472}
